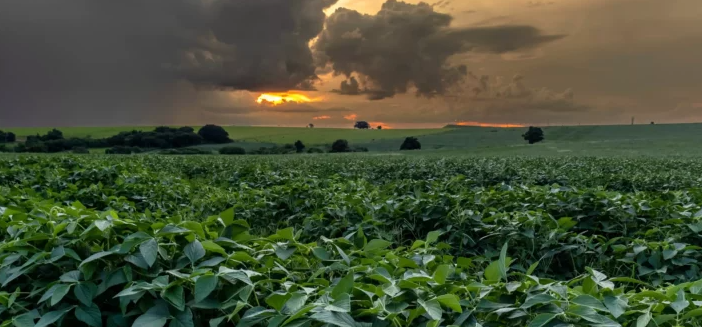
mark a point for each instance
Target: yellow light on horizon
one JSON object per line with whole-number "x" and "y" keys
{"x": 281, "y": 98}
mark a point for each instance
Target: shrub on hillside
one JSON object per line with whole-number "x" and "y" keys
{"x": 299, "y": 146}
{"x": 411, "y": 143}
{"x": 8, "y": 137}
{"x": 232, "y": 150}
{"x": 533, "y": 135}
{"x": 315, "y": 150}
{"x": 340, "y": 146}
{"x": 214, "y": 134}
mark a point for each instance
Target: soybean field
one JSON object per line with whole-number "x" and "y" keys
{"x": 353, "y": 240}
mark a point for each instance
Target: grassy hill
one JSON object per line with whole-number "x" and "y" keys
{"x": 654, "y": 140}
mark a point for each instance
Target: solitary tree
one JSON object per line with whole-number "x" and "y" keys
{"x": 340, "y": 146}
{"x": 214, "y": 134}
{"x": 10, "y": 137}
{"x": 411, "y": 143}
{"x": 299, "y": 146}
{"x": 362, "y": 125}
{"x": 533, "y": 135}
{"x": 380, "y": 127}
{"x": 310, "y": 125}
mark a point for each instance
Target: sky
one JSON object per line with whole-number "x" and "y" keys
{"x": 399, "y": 64}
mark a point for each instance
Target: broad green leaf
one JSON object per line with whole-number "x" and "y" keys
{"x": 321, "y": 253}
{"x": 183, "y": 319}
{"x": 174, "y": 296}
{"x": 692, "y": 314}
{"x": 643, "y": 320}
{"x": 157, "y": 316}
{"x": 615, "y": 305}
{"x": 376, "y": 245}
{"x": 342, "y": 304}
{"x": 59, "y": 292}
{"x": 589, "y": 301}
{"x": 441, "y": 273}
{"x": 70, "y": 277}
{"x": 51, "y": 317}
{"x": 254, "y": 315}
{"x": 277, "y": 300}
{"x": 149, "y": 251}
{"x": 680, "y": 303}
{"x": 345, "y": 286}
{"x": 339, "y": 319}
{"x": 25, "y": 320}
{"x": 433, "y": 308}
{"x": 96, "y": 256}
{"x": 432, "y": 237}
{"x": 542, "y": 320}
{"x": 542, "y": 298}
{"x": 591, "y": 315}
{"x": 287, "y": 234}
{"x": 194, "y": 251}
{"x": 512, "y": 286}
{"x": 204, "y": 286}
{"x": 451, "y": 301}
{"x": 214, "y": 247}
{"x": 295, "y": 303}
{"x": 284, "y": 252}
{"x": 90, "y": 315}
{"x": 227, "y": 216}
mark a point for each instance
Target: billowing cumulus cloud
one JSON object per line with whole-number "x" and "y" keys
{"x": 408, "y": 46}
{"x": 134, "y": 61}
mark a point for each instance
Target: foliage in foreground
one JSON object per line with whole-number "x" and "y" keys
{"x": 68, "y": 266}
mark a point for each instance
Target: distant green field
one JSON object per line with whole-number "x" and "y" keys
{"x": 279, "y": 135}
{"x": 622, "y": 140}
{"x": 625, "y": 140}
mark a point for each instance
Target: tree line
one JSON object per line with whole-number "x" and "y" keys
{"x": 162, "y": 137}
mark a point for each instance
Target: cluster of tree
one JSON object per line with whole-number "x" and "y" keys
{"x": 160, "y": 138}
{"x": 343, "y": 146}
{"x": 8, "y": 137}
{"x": 411, "y": 143}
{"x": 364, "y": 125}
{"x": 533, "y": 135}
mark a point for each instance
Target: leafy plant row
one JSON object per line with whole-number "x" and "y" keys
{"x": 67, "y": 265}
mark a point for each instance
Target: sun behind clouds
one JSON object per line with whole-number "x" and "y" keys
{"x": 282, "y": 98}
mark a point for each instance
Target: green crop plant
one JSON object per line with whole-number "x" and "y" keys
{"x": 349, "y": 241}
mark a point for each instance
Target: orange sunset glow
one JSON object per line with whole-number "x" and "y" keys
{"x": 321, "y": 117}
{"x": 281, "y": 98}
{"x": 479, "y": 124}
{"x": 351, "y": 117}
{"x": 375, "y": 124}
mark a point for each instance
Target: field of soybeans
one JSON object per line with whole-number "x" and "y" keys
{"x": 349, "y": 241}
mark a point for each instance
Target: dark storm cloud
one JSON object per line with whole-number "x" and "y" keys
{"x": 408, "y": 45}
{"x": 106, "y": 61}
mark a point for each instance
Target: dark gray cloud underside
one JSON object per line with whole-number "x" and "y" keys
{"x": 406, "y": 45}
